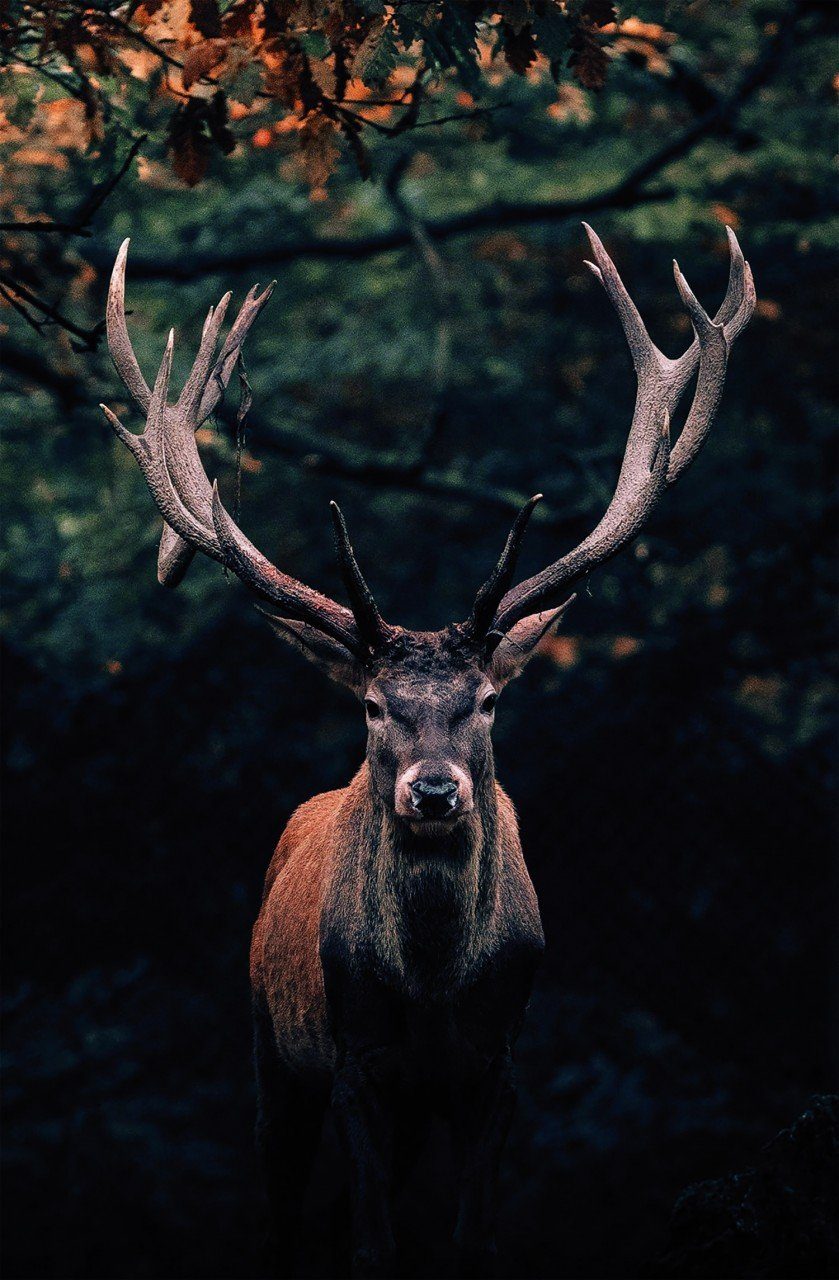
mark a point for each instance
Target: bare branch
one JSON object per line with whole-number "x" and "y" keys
{"x": 441, "y": 294}
{"x": 88, "y": 337}
{"x": 80, "y": 225}
{"x": 381, "y": 470}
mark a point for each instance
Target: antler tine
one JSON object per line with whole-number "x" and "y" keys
{"x": 226, "y": 362}
{"x": 371, "y": 626}
{"x": 640, "y": 344}
{"x": 168, "y": 457}
{"x": 622, "y": 521}
{"x": 489, "y": 596}
{"x": 734, "y": 313}
{"x": 149, "y": 450}
{"x": 119, "y": 343}
{"x": 713, "y": 362}
{"x": 175, "y": 554}
{"x": 190, "y": 397}
{"x": 649, "y": 466}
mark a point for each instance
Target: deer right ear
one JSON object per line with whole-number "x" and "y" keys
{"x": 326, "y": 653}
{"x": 518, "y": 646}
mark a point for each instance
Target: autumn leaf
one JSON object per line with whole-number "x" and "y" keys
{"x": 194, "y": 128}
{"x": 204, "y": 16}
{"x": 201, "y": 59}
{"x": 376, "y": 56}
{"x": 516, "y": 14}
{"x": 190, "y": 157}
{"x": 318, "y": 150}
{"x": 589, "y": 61}
{"x": 598, "y": 12}
{"x": 316, "y": 61}
{"x": 519, "y": 48}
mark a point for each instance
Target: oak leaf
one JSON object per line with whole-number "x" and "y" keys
{"x": 190, "y": 157}
{"x": 589, "y": 61}
{"x": 204, "y": 16}
{"x": 519, "y": 48}
{"x": 201, "y": 59}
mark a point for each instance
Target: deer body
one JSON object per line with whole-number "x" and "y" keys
{"x": 391, "y": 966}
{"x": 390, "y": 980}
{"x": 349, "y": 890}
{"x": 394, "y": 952}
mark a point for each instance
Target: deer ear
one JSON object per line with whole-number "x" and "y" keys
{"x": 517, "y": 647}
{"x": 329, "y": 655}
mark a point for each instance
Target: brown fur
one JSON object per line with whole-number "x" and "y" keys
{"x": 394, "y": 951}
{"x": 285, "y": 965}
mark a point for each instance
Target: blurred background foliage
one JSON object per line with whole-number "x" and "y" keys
{"x": 434, "y": 349}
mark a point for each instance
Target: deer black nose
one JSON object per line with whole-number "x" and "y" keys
{"x": 434, "y": 797}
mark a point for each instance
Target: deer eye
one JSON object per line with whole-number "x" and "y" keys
{"x": 488, "y": 703}
{"x": 374, "y": 711}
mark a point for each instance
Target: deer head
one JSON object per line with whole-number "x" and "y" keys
{"x": 429, "y": 697}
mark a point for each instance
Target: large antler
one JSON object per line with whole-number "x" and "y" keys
{"x": 195, "y": 519}
{"x": 649, "y": 465}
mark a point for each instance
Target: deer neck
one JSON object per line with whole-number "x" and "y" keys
{"x": 427, "y": 901}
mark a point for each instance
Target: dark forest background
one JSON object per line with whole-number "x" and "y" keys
{"x": 434, "y": 350}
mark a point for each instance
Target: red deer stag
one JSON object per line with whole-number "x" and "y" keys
{"x": 399, "y": 932}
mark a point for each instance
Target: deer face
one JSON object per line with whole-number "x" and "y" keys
{"x": 429, "y": 711}
{"x": 429, "y": 700}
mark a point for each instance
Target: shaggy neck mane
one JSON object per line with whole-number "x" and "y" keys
{"x": 427, "y": 901}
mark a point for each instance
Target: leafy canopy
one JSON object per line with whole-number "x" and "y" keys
{"x": 315, "y": 74}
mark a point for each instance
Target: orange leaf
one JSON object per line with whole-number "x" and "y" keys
{"x": 200, "y": 60}
{"x": 768, "y": 308}
{"x": 190, "y": 156}
{"x": 727, "y": 216}
{"x": 625, "y": 646}
{"x": 562, "y": 650}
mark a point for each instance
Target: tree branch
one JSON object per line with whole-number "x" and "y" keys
{"x": 627, "y": 192}
{"x": 389, "y": 470}
{"x": 89, "y": 338}
{"x": 442, "y": 297}
{"x": 359, "y": 247}
{"x": 80, "y": 225}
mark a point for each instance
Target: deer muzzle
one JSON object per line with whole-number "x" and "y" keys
{"x": 433, "y": 793}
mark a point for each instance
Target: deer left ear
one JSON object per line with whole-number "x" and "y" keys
{"x": 518, "y": 646}
{"x": 329, "y": 655}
